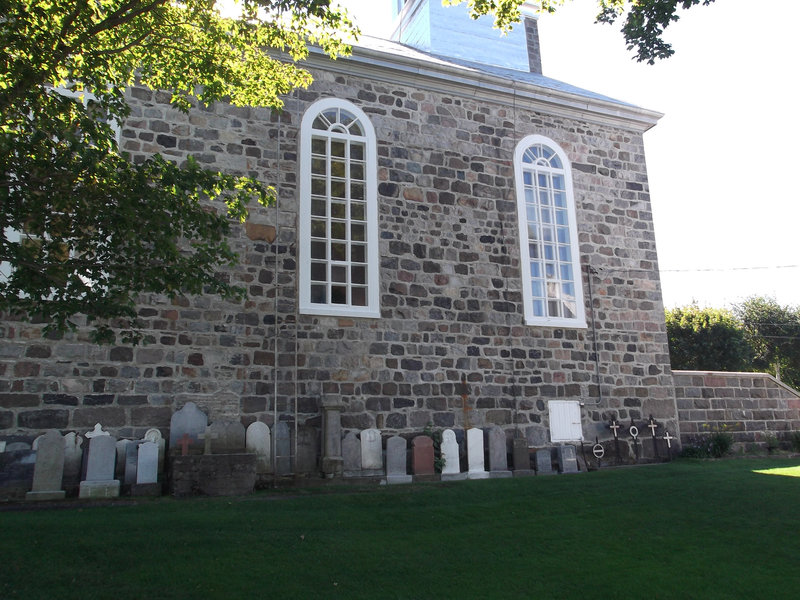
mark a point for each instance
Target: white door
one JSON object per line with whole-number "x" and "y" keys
{"x": 565, "y": 421}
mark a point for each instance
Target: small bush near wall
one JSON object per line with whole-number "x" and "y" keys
{"x": 716, "y": 445}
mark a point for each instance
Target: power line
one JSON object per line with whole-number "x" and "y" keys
{"x": 722, "y": 269}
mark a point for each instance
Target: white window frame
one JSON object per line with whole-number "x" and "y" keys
{"x": 528, "y": 278}
{"x": 372, "y": 307}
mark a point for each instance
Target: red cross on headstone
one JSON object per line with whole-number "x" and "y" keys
{"x": 184, "y": 443}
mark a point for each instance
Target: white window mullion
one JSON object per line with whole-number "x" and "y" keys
{"x": 545, "y": 166}
{"x": 342, "y": 125}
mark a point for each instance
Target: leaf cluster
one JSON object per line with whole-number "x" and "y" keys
{"x": 773, "y": 331}
{"x": 706, "y": 339}
{"x": 95, "y": 229}
{"x": 758, "y": 335}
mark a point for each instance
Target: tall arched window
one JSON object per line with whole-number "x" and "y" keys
{"x": 551, "y": 276}
{"x": 338, "y": 221}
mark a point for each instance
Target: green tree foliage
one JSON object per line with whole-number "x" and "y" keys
{"x": 643, "y": 21}
{"x": 710, "y": 339}
{"x": 774, "y": 333}
{"x": 97, "y": 230}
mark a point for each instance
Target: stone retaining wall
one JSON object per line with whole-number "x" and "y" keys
{"x": 749, "y": 405}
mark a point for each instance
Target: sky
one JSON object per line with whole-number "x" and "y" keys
{"x": 721, "y": 160}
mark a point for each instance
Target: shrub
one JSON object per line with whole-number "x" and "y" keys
{"x": 771, "y": 442}
{"x": 796, "y": 441}
{"x": 720, "y": 444}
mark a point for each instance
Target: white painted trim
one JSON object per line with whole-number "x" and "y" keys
{"x": 579, "y": 322}
{"x": 372, "y": 309}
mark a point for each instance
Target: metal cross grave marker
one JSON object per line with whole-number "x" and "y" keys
{"x": 634, "y": 431}
{"x": 652, "y": 425}
{"x": 668, "y": 438}
{"x": 613, "y": 427}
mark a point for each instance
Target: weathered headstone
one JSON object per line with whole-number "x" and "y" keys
{"x": 422, "y": 458}
{"x": 396, "y": 459}
{"x": 258, "y": 441}
{"x": 131, "y": 461}
{"x": 147, "y": 463}
{"x": 498, "y": 456}
{"x": 227, "y": 437}
{"x": 283, "y": 449}
{"x": 307, "y": 450}
{"x": 146, "y": 471}
{"x": 371, "y": 452}
{"x": 97, "y": 431}
{"x": 475, "y": 458}
{"x": 100, "y": 482}
{"x": 17, "y": 465}
{"x": 154, "y": 435}
{"x": 121, "y": 463}
{"x": 73, "y": 457}
{"x": 452, "y": 466}
{"x": 351, "y": 455}
{"x": 522, "y": 458}
{"x": 190, "y": 421}
{"x": 332, "y": 463}
{"x": 567, "y": 461}
{"x": 49, "y": 469}
{"x": 544, "y": 462}
{"x": 3, "y": 446}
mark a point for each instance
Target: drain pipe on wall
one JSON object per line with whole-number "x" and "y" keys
{"x": 590, "y": 271}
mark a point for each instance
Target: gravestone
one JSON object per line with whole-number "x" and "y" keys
{"x": 2, "y": 446}
{"x": 498, "y": 457}
{"x": 97, "y": 431}
{"x": 146, "y": 471}
{"x": 452, "y": 466}
{"x": 121, "y": 464}
{"x": 154, "y": 435}
{"x": 332, "y": 463}
{"x": 475, "y": 458}
{"x": 422, "y": 456}
{"x": 396, "y": 471}
{"x": 147, "y": 463}
{"x": 189, "y": 421}
{"x": 100, "y": 482}
{"x": 307, "y": 450}
{"x": 371, "y": 453}
{"x": 18, "y": 446}
{"x": 49, "y": 468}
{"x": 17, "y": 466}
{"x": 73, "y": 457}
{"x": 351, "y": 455}
{"x": 131, "y": 461}
{"x": 522, "y": 458}
{"x": 227, "y": 437}
{"x": 544, "y": 462}
{"x": 258, "y": 442}
{"x": 567, "y": 460}
{"x": 283, "y": 449}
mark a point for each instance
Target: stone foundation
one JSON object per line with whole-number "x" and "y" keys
{"x": 213, "y": 475}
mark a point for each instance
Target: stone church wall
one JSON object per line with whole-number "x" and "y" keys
{"x": 750, "y": 406}
{"x": 451, "y": 305}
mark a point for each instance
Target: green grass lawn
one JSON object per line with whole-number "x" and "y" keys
{"x": 689, "y": 529}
